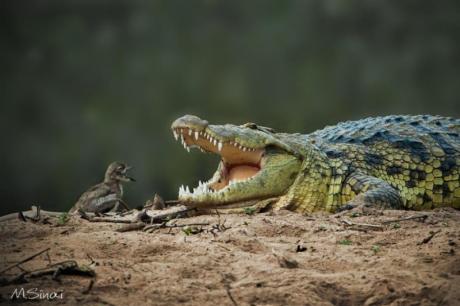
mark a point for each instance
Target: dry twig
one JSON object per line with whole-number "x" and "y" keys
{"x": 34, "y": 214}
{"x": 153, "y": 227}
{"x": 24, "y": 260}
{"x": 406, "y": 219}
{"x": 226, "y": 280}
{"x": 68, "y": 267}
{"x": 428, "y": 239}
{"x": 90, "y": 286}
{"x": 131, "y": 227}
{"x": 363, "y": 226}
{"x": 151, "y": 217}
{"x": 89, "y": 218}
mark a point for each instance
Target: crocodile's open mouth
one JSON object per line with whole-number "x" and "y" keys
{"x": 254, "y": 165}
{"x": 238, "y": 162}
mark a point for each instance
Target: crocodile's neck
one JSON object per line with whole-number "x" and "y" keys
{"x": 311, "y": 189}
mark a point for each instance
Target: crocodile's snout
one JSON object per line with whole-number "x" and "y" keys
{"x": 190, "y": 121}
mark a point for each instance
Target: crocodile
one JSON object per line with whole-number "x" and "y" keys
{"x": 398, "y": 162}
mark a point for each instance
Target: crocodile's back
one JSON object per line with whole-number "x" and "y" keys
{"x": 418, "y": 155}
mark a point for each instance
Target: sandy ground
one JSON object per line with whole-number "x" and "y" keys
{"x": 275, "y": 258}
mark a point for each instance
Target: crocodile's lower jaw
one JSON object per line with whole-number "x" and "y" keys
{"x": 204, "y": 192}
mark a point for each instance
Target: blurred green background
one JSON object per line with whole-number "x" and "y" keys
{"x": 84, "y": 83}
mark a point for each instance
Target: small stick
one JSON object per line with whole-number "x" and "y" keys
{"x": 83, "y": 215}
{"x": 428, "y": 239}
{"x": 131, "y": 227}
{"x": 90, "y": 286}
{"x": 124, "y": 213}
{"x": 173, "y": 212}
{"x": 405, "y": 219}
{"x": 109, "y": 220}
{"x": 24, "y": 260}
{"x": 188, "y": 224}
{"x": 164, "y": 225}
{"x": 92, "y": 261}
{"x": 22, "y": 215}
{"x": 225, "y": 248}
{"x": 370, "y": 226}
{"x": 68, "y": 267}
{"x": 227, "y": 289}
{"x": 38, "y": 213}
{"x": 152, "y": 227}
{"x": 48, "y": 258}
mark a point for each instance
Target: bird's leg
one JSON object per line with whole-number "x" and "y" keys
{"x": 123, "y": 203}
{"x": 120, "y": 206}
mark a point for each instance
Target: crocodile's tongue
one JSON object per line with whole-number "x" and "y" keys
{"x": 235, "y": 173}
{"x": 242, "y": 172}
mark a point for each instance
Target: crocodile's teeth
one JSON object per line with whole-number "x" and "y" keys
{"x": 190, "y": 132}
{"x": 215, "y": 142}
{"x": 196, "y": 135}
{"x": 176, "y": 136}
{"x": 188, "y": 149}
{"x": 244, "y": 149}
{"x": 219, "y": 146}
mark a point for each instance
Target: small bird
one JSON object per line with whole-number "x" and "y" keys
{"x": 107, "y": 195}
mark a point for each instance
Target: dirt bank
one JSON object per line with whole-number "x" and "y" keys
{"x": 276, "y": 258}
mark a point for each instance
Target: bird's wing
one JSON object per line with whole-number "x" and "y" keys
{"x": 94, "y": 197}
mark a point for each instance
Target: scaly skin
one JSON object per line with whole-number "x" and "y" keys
{"x": 408, "y": 162}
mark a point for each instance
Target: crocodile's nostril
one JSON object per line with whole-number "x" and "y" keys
{"x": 190, "y": 121}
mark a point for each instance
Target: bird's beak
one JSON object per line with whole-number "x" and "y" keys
{"x": 128, "y": 178}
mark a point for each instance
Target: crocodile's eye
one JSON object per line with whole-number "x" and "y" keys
{"x": 250, "y": 125}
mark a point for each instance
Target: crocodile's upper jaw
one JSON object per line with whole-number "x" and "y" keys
{"x": 246, "y": 171}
